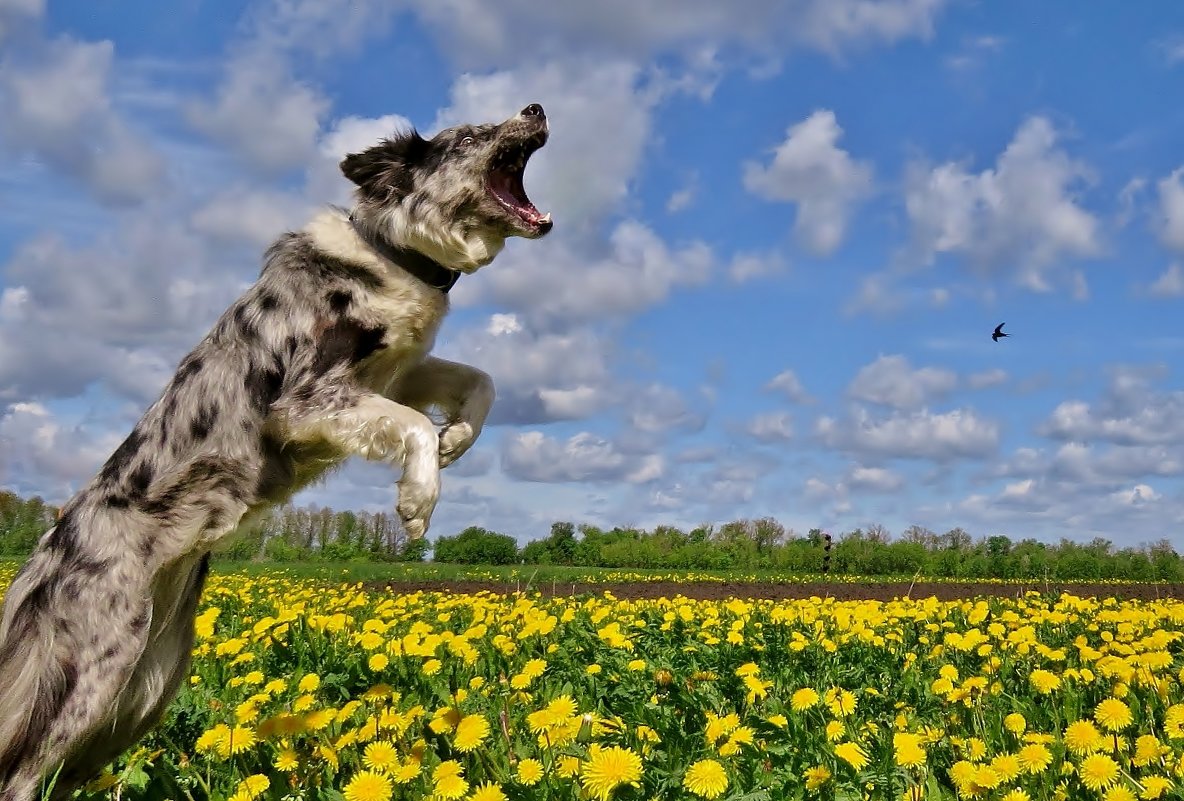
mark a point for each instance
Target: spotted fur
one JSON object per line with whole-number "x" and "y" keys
{"x": 326, "y": 356}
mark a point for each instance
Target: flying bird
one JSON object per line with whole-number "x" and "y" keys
{"x": 999, "y": 332}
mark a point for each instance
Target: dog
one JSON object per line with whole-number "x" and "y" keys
{"x": 325, "y": 356}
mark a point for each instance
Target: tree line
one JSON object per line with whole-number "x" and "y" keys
{"x": 290, "y": 534}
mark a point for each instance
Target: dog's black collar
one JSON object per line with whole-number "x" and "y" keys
{"x": 425, "y": 268}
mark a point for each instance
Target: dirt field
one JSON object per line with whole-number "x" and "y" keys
{"x": 847, "y": 592}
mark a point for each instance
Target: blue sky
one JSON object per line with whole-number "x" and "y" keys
{"x": 783, "y": 236}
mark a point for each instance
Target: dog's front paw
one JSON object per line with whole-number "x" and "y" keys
{"x": 455, "y": 440}
{"x": 417, "y": 501}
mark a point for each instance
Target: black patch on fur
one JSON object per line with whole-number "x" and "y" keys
{"x": 119, "y": 460}
{"x": 297, "y": 253}
{"x": 64, "y": 538}
{"x": 203, "y": 423}
{"x": 246, "y": 327}
{"x": 190, "y": 367}
{"x": 387, "y": 170}
{"x": 277, "y": 472}
{"x": 209, "y": 474}
{"x": 263, "y": 387}
{"x": 140, "y": 479}
{"x": 329, "y": 268}
{"x": 115, "y": 501}
{"x": 268, "y": 302}
{"x": 346, "y": 341}
{"x": 339, "y": 300}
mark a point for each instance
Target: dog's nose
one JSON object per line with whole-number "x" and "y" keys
{"x": 533, "y": 110}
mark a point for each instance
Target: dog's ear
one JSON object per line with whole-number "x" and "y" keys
{"x": 386, "y": 167}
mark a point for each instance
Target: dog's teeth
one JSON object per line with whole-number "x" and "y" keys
{"x": 546, "y": 218}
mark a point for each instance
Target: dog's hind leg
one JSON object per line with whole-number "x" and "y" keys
{"x": 157, "y": 675}
{"x": 73, "y": 633}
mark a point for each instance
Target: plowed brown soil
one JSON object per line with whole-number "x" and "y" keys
{"x": 708, "y": 590}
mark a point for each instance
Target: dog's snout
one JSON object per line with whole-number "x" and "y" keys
{"x": 533, "y": 110}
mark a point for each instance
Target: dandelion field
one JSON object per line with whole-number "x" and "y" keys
{"x": 307, "y": 689}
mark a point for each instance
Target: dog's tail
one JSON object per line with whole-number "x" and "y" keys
{"x": 31, "y": 676}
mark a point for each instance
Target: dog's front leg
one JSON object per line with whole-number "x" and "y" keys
{"x": 465, "y": 395}
{"x": 379, "y": 429}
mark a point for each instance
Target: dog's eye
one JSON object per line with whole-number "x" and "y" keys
{"x": 468, "y": 140}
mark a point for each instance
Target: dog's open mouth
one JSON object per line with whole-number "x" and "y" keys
{"x": 505, "y": 183}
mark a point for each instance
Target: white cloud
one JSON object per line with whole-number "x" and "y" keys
{"x": 263, "y": 113}
{"x": 540, "y": 377}
{"x": 749, "y": 266}
{"x": 988, "y": 378}
{"x": 39, "y": 454}
{"x": 771, "y": 427}
{"x": 656, "y": 408}
{"x": 241, "y": 215}
{"x": 957, "y": 434}
{"x": 683, "y": 197}
{"x": 116, "y": 311}
{"x": 1170, "y": 220}
{"x": 810, "y": 170}
{"x": 1134, "y": 416}
{"x": 874, "y": 479}
{"x": 1170, "y": 283}
{"x": 533, "y": 456}
{"x": 57, "y": 107}
{"x": 479, "y": 35}
{"x": 1022, "y": 211}
{"x": 891, "y": 381}
{"x": 554, "y": 283}
{"x": 788, "y": 384}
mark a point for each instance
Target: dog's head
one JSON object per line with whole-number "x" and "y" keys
{"x": 458, "y": 195}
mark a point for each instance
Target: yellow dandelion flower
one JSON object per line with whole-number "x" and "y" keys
{"x": 1154, "y": 787}
{"x": 449, "y": 783}
{"x": 852, "y": 754}
{"x": 1082, "y": 737}
{"x": 488, "y": 792}
{"x": 706, "y": 779}
{"x": 1147, "y": 750}
{"x": 1119, "y": 792}
{"x": 816, "y": 777}
{"x": 803, "y": 699}
{"x": 1044, "y": 681}
{"x": 254, "y": 786}
{"x": 1098, "y": 772}
{"x": 381, "y": 756}
{"x": 907, "y": 749}
{"x": 1015, "y": 723}
{"x": 407, "y": 772}
{"x": 309, "y": 683}
{"x": 607, "y": 768}
{"x": 1113, "y": 714}
{"x": 286, "y": 760}
{"x": 368, "y": 785}
{"x": 529, "y": 772}
{"x": 471, "y": 731}
{"x": 1035, "y": 758}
